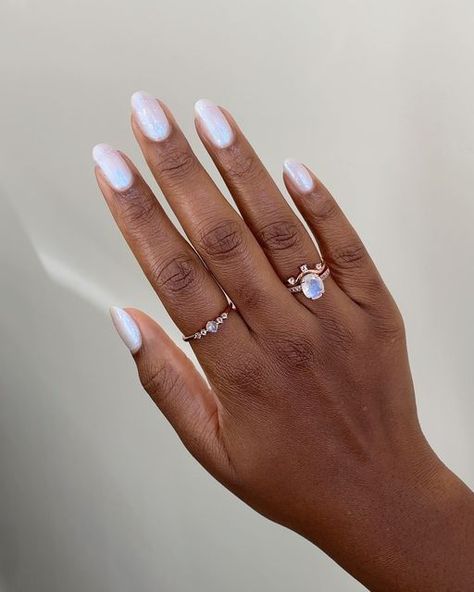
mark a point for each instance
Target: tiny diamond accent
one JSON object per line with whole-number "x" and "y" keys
{"x": 212, "y": 326}
{"x": 304, "y": 268}
{"x": 291, "y": 281}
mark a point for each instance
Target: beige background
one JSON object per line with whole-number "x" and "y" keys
{"x": 96, "y": 492}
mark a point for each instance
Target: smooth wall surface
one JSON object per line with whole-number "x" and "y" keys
{"x": 96, "y": 492}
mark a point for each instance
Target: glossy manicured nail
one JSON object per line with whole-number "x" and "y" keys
{"x": 126, "y": 328}
{"x": 114, "y": 167}
{"x": 299, "y": 174}
{"x": 150, "y": 116}
{"x": 214, "y": 122}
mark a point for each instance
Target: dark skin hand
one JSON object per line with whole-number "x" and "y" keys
{"x": 309, "y": 411}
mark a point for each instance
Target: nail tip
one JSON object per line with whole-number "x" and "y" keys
{"x": 116, "y": 314}
{"x": 113, "y": 311}
{"x": 140, "y": 95}
{"x": 140, "y": 92}
{"x": 127, "y": 328}
{"x": 201, "y": 104}
{"x": 95, "y": 151}
{"x": 100, "y": 149}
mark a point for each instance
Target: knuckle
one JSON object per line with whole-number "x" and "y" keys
{"x": 162, "y": 381}
{"x": 340, "y": 334}
{"x": 246, "y": 375}
{"x": 325, "y": 208}
{"x": 137, "y": 211}
{"x": 223, "y": 239}
{"x": 242, "y": 166}
{"x": 177, "y": 163}
{"x": 250, "y": 296}
{"x": 279, "y": 235}
{"x": 294, "y": 351}
{"x": 348, "y": 255}
{"x": 176, "y": 274}
{"x": 390, "y": 327}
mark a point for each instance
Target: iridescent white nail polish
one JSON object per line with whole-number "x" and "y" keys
{"x": 115, "y": 169}
{"x": 126, "y": 328}
{"x": 150, "y": 116}
{"x": 215, "y": 123}
{"x": 299, "y": 175}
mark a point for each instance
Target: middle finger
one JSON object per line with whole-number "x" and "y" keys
{"x": 218, "y": 233}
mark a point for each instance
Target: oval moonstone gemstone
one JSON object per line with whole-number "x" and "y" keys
{"x": 211, "y": 326}
{"x": 312, "y": 286}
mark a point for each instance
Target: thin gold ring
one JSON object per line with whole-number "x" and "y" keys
{"x": 211, "y": 326}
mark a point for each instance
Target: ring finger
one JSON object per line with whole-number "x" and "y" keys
{"x": 279, "y": 231}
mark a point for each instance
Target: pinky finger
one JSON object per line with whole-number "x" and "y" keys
{"x": 174, "y": 384}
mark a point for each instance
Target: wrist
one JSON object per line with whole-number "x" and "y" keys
{"x": 405, "y": 528}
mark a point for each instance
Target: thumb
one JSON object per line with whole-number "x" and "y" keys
{"x": 174, "y": 384}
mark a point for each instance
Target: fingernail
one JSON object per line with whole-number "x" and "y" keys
{"x": 126, "y": 328}
{"x": 299, "y": 174}
{"x": 114, "y": 167}
{"x": 216, "y": 125}
{"x": 150, "y": 116}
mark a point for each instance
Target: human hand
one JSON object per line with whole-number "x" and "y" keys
{"x": 309, "y": 415}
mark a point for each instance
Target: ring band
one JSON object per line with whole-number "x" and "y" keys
{"x": 309, "y": 281}
{"x": 211, "y": 326}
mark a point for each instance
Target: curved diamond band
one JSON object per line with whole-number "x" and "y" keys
{"x": 309, "y": 281}
{"x": 211, "y": 326}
